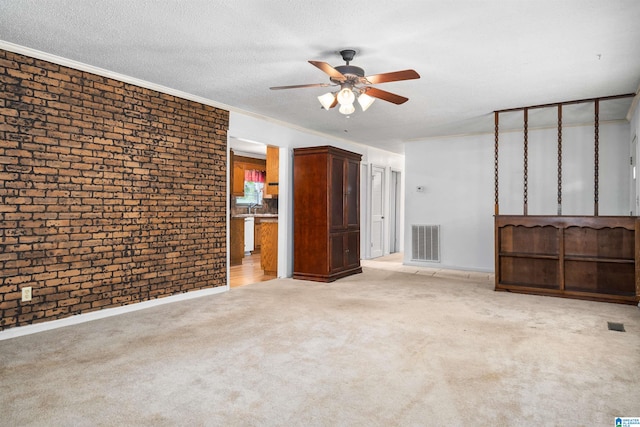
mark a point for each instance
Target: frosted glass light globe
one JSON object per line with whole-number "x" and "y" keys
{"x": 346, "y": 96}
{"x": 347, "y": 109}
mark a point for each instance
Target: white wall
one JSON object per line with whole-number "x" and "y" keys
{"x": 458, "y": 177}
{"x": 251, "y": 128}
{"x": 577, "y": 171}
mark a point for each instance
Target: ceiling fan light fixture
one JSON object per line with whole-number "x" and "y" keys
{"x": 327, "y": 100}
{"x": 346, "y": 96}
{"x": 354, "y": 83}
{"x": 347, "y": 109}
{"x": 365, "y": 101}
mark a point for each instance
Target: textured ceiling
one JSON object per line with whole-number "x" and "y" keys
{"x": 474, "y": 56}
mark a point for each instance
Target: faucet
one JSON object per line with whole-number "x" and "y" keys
{"x": 253, "y": 206}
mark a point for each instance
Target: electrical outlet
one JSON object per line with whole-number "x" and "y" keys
{"x": 26, "y": 293}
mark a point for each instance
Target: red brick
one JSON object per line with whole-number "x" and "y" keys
{"x": 108, "y": 177}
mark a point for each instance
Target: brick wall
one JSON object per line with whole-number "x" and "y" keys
{"x": 110, "y": 193}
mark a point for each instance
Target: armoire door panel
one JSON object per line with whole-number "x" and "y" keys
{"x": 353, "y": 194}
{"x": 337, "y": 251}
{"x": 337, "y": 200}
{"x": 352, "y": 253}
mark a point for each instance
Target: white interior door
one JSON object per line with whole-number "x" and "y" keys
{"x": 377, "y": 211}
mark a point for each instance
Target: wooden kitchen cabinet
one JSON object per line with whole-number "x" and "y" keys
{"x": 269, "y": 244}
{"x": 273, "y": 171}
{"x": 236, "y": 241}
{"x": 326, "y": 235}
{"x": 238, "y": 166}
{"x": 238, "y": 180}
{"x": 257, "y": 235}
{"x": 237, "y": 177}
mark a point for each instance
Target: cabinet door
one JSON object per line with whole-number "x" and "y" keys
{"x": 257, "y": 235}
{"x": 352, "y": 251}
{"x": 337, "y": 193}
{"x": 273, "y": 170}
{"x": 352, "y": 205}
{"x": 238, "y": 180}
{"x": 236, "y": 240}
{"x": 337, "y": 247}
{"x": 344, "y": 250}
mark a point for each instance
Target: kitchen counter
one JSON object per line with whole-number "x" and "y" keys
{"x": 269, "y": 220}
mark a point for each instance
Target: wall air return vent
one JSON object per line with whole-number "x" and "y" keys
{"x": 425, "y": 243}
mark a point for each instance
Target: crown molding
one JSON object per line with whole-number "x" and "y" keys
{"x": 109, "y": 74}
{"x": 34, "y": 53}
{"x": 634, "y": 104}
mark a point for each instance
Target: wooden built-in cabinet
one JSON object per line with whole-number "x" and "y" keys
{"x": 273, "y": 172}
{"x": 326, "y": 230}
{"x": 585, "y": 257}
{"x": 239, "y": 165}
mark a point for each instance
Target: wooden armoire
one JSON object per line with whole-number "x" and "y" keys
{"x": 326, "y": 212}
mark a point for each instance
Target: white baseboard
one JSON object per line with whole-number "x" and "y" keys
{"x": 19, "y": 331}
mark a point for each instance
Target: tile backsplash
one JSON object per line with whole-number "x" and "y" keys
{"x": 269, "y": 206}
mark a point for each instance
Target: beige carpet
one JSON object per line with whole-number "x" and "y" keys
{"x": 422, "y": 348}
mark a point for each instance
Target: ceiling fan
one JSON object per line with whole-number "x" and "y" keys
{"x": 353, "y": 82}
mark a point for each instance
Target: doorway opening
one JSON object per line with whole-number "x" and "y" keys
{"x": 253, "y": 213}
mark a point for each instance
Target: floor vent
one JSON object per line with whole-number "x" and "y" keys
{"x": 615, "y": 326}
{"x": 425, "y": 243}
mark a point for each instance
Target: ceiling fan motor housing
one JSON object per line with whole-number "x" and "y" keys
{"x": 351, "y": 72}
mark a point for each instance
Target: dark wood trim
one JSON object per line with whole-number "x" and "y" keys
{"x": 496, "y": 176}
{"x": 525, "y": 192}
{"x": 579, "y": 101}
{"x": 560, "y": 159}
{"x": 586, "y": 257}
{"x": 596, "y": 159}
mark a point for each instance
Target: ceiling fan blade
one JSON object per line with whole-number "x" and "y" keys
{"x": 392, "y": 77}
{"x": 301, "y": 86}
{"x": 333, "y": 73}
{"x": 385, "y": 96}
